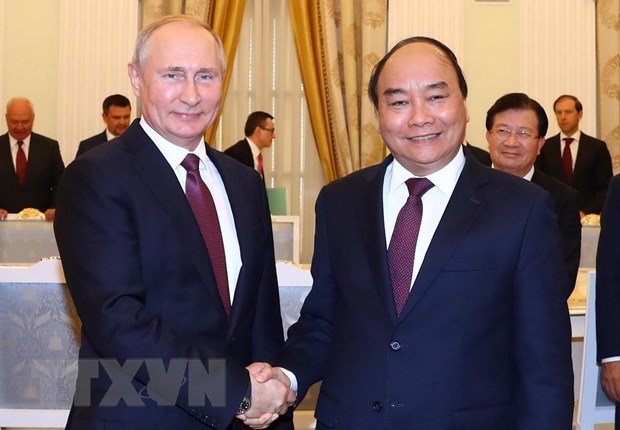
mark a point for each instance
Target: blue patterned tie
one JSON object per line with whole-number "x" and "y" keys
{"x": 203, "y": 206}
{"x": 404, "y": 238}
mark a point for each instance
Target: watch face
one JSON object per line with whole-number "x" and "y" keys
{"x": 245, "y": 406}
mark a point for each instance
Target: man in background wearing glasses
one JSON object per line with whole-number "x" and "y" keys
{"x": 259, "y": 133}
{"x": 516, "y": 127}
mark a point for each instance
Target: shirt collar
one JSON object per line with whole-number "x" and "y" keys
{"x": 444, "y": 179}
{"x": 13, "y": 141}
{"x": 109, "y": 136}
{"x": 575, "y": 136}
{"x": 528, "y": 175}
{"x": 174, "y": 154}
{"x": 255, "y": 149}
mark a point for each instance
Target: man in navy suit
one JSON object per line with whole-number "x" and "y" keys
{"x": 170, "y": 325}
{"x": 116, "y": 114}
{"x": 259, "y": 134}
{"x": 42, "y": 163}
{"x": 483, "y": 339}
{"x": 588, "y": 156}
{"x": 608, "y": 295}
{"x": 516, "y": 127}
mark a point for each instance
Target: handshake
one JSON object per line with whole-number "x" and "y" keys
{"x": 271, "y": 395}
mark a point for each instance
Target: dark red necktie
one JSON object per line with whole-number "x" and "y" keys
{"x": 404, "y": 238}
{"x": 20, "y": 163}
{"x": 259, "y": 166}
{"x": 203, "y": 206}
{"x": 567, "y": 160}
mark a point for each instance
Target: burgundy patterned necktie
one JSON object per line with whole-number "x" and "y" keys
{"x": 203, "y": 206}
{"x": 404, "y": 238}
{"x": 567, "y": 160}
{"x": 20, "y": 163}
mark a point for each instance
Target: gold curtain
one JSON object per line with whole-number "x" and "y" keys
{"x": 338, "y": 42}
{"x": 223, "y": 16}
{"x": 608, "y": 69}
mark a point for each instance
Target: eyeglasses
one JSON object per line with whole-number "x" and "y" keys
{"x": 521, "y": 135}
{"x": 270, "y": 130}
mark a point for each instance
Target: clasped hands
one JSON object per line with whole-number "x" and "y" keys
{"x": 271, "y": 395}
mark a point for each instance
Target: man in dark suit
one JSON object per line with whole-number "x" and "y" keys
{"x": 259, "y": 134}
{"x": 608, "y": 296}
{"x": 116, "y": 114}
{"x": 480, "y": 336}
{"x": 168, "y": 254}
{"x": 573, "y": 157}
{"x": 516, "y": 127}
{"x": 30, "y": 164}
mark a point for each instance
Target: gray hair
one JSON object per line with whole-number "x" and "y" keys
{"x": 144, "y": 36}
{"x": 19, "y": 99}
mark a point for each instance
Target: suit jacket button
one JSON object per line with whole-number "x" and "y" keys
{"x": 395, "y": 346}
{"x": 377, "y": 407}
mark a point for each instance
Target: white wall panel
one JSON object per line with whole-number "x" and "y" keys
{"x": 96, "y": 43}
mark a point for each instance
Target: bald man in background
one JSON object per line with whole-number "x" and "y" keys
{"x": 30, "y": 164}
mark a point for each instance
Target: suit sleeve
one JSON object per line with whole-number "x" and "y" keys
{"x": 306, "y": 351}
{"x": 267, "y": 332}
{"x": 58, "y": 168}
{"x": 570, "y": 228}
{"x": 608, "y": 276}
{"x": 602, "y": 175}
{"x": 542, "y": 338}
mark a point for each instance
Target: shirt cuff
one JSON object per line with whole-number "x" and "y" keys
{"x": 604, "y": 360}
{"x": 293, "y": 378}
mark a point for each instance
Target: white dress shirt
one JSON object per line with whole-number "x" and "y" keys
{"x": 434, "y": 201}
{"x": 255, "y": 152}
{"x": 175, "y": 155}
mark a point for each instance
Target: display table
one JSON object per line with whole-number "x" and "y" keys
{"x": 28, "y": 241}
{"x": 25, "y": 241}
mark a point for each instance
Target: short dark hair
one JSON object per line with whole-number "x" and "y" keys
{"x": 518, "y": 101}
{"x": 578, "y": 105}
{"x": 115, "y": 100}
{"x": 255, "y": 119}
{"x": 374, "y": 77}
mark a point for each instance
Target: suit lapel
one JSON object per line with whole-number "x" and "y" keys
{"x": 372, "y": 232}
{"x": 555, "y": 167}
{"x": 6, "y": 161}
{"x": 583, "y": 158}
{"x": 36, "y": 157}
{"x": 163, "y": 183}
{"x": 464, "y": 207}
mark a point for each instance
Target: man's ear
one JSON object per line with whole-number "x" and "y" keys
{"x": 134, "y": 78}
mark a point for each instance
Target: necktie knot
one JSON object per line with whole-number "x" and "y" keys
{"x": 418, "y": 186}
{"x": 20, "y": 143}
{"x": 191, "y": 162}
{"x": 568, "y": 140}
